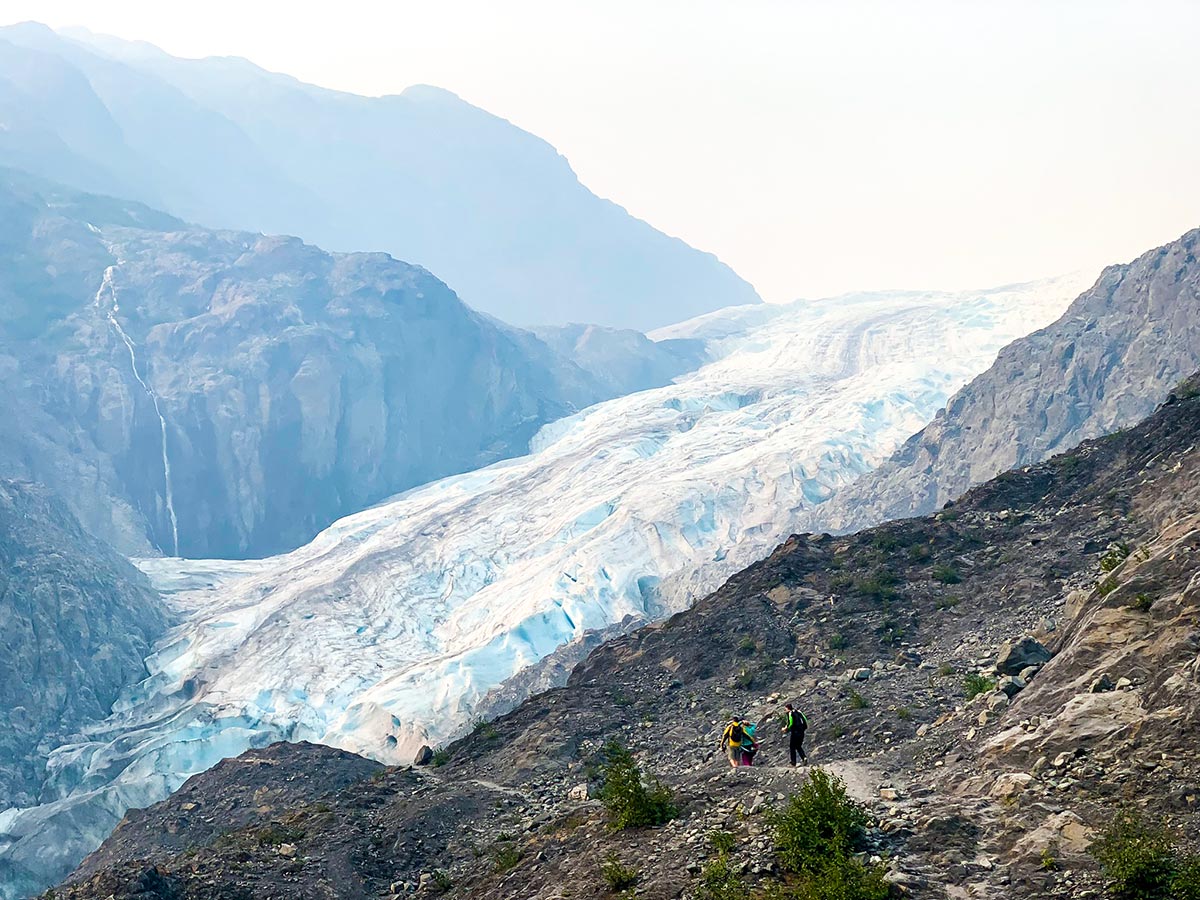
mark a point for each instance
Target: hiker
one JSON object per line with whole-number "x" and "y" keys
{"x": 794, "y": 725}
{"x": 734, "y": 740}
{"x": 749, "y": 743}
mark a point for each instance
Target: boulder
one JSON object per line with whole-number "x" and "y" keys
{"x": 997, "y": 700}
{"x": 1101, "y": 684}
{"x": 1010, "y": 784}
{"x": 580, "y": 792}
{"x": 1017, "y": 655}
{"x": 863, "y": 674}
{"x": 424, "y": 756}
{"x": 1011, "y": 685}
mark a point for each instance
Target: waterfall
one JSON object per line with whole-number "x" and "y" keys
{"x": 112, "y": 310}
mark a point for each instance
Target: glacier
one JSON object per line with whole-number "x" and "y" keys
{"x": 389, "y": 629}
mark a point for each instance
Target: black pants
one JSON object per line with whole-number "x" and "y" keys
{"x": 796, "y": 746}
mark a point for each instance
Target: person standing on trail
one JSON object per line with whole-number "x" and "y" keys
{"x": 732, "y": 740}
{"x": 794, "y": 725}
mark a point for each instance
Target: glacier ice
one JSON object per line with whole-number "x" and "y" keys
{"x": 388, "y": 628}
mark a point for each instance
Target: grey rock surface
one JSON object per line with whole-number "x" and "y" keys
{"x": 215, "y": 393}
{"x": 1113, "y": 356}
{"x": 76, "y": 622}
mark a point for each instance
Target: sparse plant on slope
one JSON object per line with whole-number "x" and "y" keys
{"x": 816, "y": 836}
{"x": 975, "y": 684}
{"x": 617, "y": 875}
{"x": 945, "y": 574}
{"x": 718, "y": 880}
{"x": 631, "y": 801}
{"x": 1140, "y": 861}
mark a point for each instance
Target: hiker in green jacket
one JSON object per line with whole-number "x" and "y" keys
{"x": 794, "y": 725}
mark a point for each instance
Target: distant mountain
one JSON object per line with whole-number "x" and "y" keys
{"x": 76, "y": 622}
{"x": 227, "y": 394}
{"x": 1105, "y": 364}
{"x": 493, "y": 210}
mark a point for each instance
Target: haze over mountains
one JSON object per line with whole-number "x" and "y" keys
{"x": 490, "y": 209}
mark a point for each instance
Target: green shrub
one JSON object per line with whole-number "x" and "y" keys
{"x": 945, "y": 574}
{"x": 617, "y": 875}
{"x": 1107, "y": 586}
{"x": 856, "y": 700}
{"x": 945, "y": 669}
{"x": 877, "y": 586}
{"x": 947, "y": 602}
{"x": 441, "y": 756}
{"x": 722, "y": 841}
{"x": 275, "y": 834}
{"x": 505, "y": 855}
{"x": 904, "y": 714}
{"x": 1188, "y": 389}
{"x": 484, "y": 730}
{"x": 631, "y": 801}
{"x": 1113, "y": 558}
{"x": 718, "y": 881}
{"x": 816, "y": 834}
{"x": 975, "y": 684}
{"x": 1137, "y": 858}
{"x": 920, "y": 552}
{"x": 747, "y": 646}
{"x": 744, "y": 679}
{"x": 837, "y": 641}
{"x": 1142, "y": 603}
{"x": 441, "y": 882}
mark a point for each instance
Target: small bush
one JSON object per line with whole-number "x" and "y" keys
{"x": 920, "y": 552}
{"x": 816, "y": 835}
{"x": 856, "y": 700}
{"x": 837, "y": 641}
{"x": 441, "y": 756}
{"x": 722, "y": 841}
{"x": 878, "y": 586}
{"x": 506, "y": 856}
{"x": 1142, "y": 603}
{"x": 275, "y": 834}
{"x": 1137, "y": 858}
{"x": 945, "y": 574}
{"x": 947, "y": 602}
{"x": 1107, "y": 586}
{"x": 441, "y": 882}
{"x": 617, "y": 875}
{"x": 904, "y": 714}
{"x": 975, "y": 684}
{"x": 1050, "y": 857}
{"x": 744, "y": 679}
{"x": 484, "y": 730}
{"x": 747, "y": 646}
{"x": 630, "y": 801}
{"x": 1113, "y": 558}
{"x": 718, "y": 881}
{"x": 945, "y": 669}
{"x": 885, "y": 542}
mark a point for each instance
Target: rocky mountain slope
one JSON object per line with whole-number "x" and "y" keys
{"x": 208, "y": 393}
{"x": 1114, "y": 354}
{"x": 875, "y": 634}
{"x": 623, "y": 514}
{"x": 491, "y": 209}
{"x": 76, "y": 622}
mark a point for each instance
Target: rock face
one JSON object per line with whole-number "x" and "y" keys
{"x": 495, "y": 211}
{"x": 207, "y": 393}
{"x": 970, "y": 800}
{"x": 1113, "y": 356}
{"x": 1015, "y": 656}
{"x": 76, "y": 622}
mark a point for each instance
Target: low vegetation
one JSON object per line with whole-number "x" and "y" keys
{"x": 632, "y": 800}
{"x": 718, "y": 880}
{"x": 976, "y": 683}
{"x": 1141, "y": 861}
{"x": 617, "y": 875}
{"x": 817, "y": 834}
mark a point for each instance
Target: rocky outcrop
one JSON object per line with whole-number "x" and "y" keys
{"x": 970, "y": 791}
{"x": 1113, "y": 356}
{"x": 76, "y": 622}
{"x": 492, "y": 209}
{"x": 207, "y": 393}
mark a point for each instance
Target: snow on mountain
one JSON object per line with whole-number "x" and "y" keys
{"x": 387, "y": 630}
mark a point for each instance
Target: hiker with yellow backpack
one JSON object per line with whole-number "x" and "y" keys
{"x": 739, "y": 742}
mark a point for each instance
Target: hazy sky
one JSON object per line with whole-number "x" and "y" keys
{"x": 817, "y": 147}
